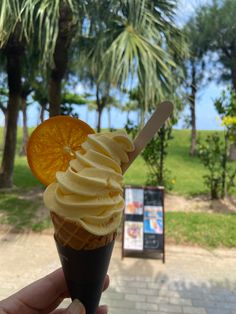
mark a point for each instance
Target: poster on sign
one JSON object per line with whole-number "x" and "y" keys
{"x": 143, "y": 228}
{"x": 134, "y": 201}
{"x": 153, "y": 219}
{"x": 133, "y": 239}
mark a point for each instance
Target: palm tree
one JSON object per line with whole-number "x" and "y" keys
{"x": 141, "y": 42}
{"x": 67, "y": 23}
{"x": 3, "y": 108}
{"x": 12, "y": 46}
{"x": 127, "y": 38}
{"x": 128, "y": 108}
{"x": 136, "y": 96}
{"x": 40, "y": 95}
{"x": 20, "y": 21}
{"x": 128, "y": 41}
{"x": 25, "y": 92}
{"x": 194, "y": 66}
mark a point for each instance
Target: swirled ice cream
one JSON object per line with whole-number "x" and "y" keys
{"x": 90, "y": 191}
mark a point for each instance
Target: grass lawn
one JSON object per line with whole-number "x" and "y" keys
{"x": 187, "y": 171}
{"x": 204, "y": 229}
{"x": 23, "y": 177}
{"x": 21, "y": 214}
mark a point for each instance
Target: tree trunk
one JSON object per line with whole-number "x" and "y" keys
{"x": 25, "y": 127}
{"x": 162, "y": 152}
{"x": 13, "y": 54}
{"x": 99, "y": 111}
{"x": 224, "y": 166}
{"x": 4, "y": 110}
{"x": 233, "y": 74}
{"x": 87, "y": 115}
{"x": 54, "y": 95}
{"x": 142, "y": 114}
{"x": 100, "y": 107}
{"x": 127, "y": 117}
{"x": 42, "y": 110}
{"x": 109, "y": 117}
{"x": 193, "y": 112}
{"x": 232, "y": 151}
{"x": 60, "y": 59}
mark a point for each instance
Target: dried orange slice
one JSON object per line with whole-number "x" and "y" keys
{"x": 53, "y": 144}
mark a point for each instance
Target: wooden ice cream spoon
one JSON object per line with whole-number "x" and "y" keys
{"x": 161, "y": 114}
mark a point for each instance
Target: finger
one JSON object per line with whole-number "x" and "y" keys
{"x": 106, "y": 282}
{"x": 76, "y": 307}
{"x": 59, "y": 311}
{"x": 57, "y": 302}
{"x": 103, "y": 309}
{"x": 45, "y": 293}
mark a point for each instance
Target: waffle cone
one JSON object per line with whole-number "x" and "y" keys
{"x": 69, "y": 233}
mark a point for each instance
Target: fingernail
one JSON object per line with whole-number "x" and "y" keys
{"x": 76, "y": 307}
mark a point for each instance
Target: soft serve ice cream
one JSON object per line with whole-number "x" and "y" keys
{"x": 86, "y": 200}
{"x": 90, "y": 191}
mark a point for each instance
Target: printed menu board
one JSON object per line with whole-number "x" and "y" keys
{"x": 143, "y": 229}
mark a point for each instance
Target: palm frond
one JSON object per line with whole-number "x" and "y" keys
{"x": 38, "y": 20}
{"x": 9, "y": 17}
{"x": 139, "y": 49}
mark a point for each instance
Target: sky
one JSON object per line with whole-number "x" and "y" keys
{"x": 206, "y": 115}
{"x": 207, "y": 118}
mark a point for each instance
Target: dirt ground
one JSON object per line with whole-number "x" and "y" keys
{"x": 201, "y": 203}
{"x": 172, "y": 203}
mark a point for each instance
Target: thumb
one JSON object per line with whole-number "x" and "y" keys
{"x": 76, "y": 307}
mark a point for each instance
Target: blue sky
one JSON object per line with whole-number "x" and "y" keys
{"x": 206, "y": 115}
{"x": 207, "y": 118}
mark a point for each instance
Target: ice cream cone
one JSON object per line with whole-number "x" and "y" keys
{"x": 69, "y": 233}
{"x": 85, "y": 259}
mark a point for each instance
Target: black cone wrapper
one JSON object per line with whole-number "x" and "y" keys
{"x": 85, "y": 271}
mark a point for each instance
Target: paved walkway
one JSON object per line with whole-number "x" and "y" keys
{"x": 193, "y": 280}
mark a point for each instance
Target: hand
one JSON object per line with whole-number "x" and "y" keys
{"x": 43, "y": 296}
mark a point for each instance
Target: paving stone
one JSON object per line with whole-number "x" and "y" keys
{"x": 214, "y": 304}
{"x": 158, "y": 300}
{"x": 180, "y": 301}
{"x": 135, "y": 284}
{"x": 124, "y": 304}
{"x": 123, "y": 289}
{"x": 153, "y": 285}
{"x": 146, "y": 306}
{"x": 135, "y": 297}
{"x": 170, "y": 308}
{"x": 124, "y": 311}
{"x": 194, "y": 310}
{"x": 229, "y": 306}
{"x": 147, "y": 279}
{"x": 113, "y": 295}
{"x": 230, "y": 298}
{"x": 151, "y": 312}
{"x": 168, "y": 293}
{"x": 203, "y": 303}
{"x": 219, "y": 311}
{"x": 146, "y": 291}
